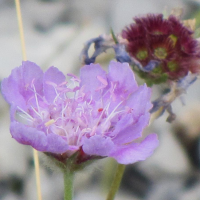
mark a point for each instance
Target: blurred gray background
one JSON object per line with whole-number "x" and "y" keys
{"x": 55, "y": 31}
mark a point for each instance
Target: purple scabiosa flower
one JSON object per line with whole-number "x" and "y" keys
{"x": 167, "y": 41}
{"x": 99, "y": 115}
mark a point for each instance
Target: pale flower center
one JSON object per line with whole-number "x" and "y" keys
{"x": 72, "y": 117}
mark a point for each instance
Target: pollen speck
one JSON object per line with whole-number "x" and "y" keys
{"x": 49, "y": 122}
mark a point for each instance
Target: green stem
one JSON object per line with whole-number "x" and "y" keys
{"x": 68, "y": 184}
{"x": 116, "y": 182}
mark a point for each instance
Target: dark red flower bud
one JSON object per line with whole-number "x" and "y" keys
{"x": 167, "y": 41}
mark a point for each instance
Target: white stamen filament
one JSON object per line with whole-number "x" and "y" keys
{"x": 90, "y": 100}
{"x": 36, "y": 99}
{"x": 100, "y": 117}
{"x": 22, "y": 116}
{"x": 63, "y": 110}
{"x": 25, "y": 113}
{"x": 66, "y": 133}
{"x": 112, "y": 114}
{"x": 74, "y": 138}
{"x": 57, "y": 94}
{"x": 36, "y": 112}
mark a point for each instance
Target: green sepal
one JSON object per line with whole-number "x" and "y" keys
{"x": 114, "y": 36}
{"x": 71, "y": 163}
{"x": 151, "y": 78}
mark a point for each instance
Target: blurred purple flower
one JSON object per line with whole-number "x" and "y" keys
{"x": 99, "y": 114}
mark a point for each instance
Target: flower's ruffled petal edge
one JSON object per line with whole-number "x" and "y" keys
{"x": 121, "y": 82}
{"x": 123, "y": 75}
{"x": 52, "y": 78}
{"x": 98, "y": 145}
{"x": 123, "y": 123}
{"x": 130, "y": 127}
{"x": 32, "y": 74}
{"x": 129, "y": 133}
{"x": 57, "y": 144}
{"x": 91, "y": 76}
{"x": 13, "y": 87}
{"x": 37, "y": 139}
{"x": 134, "y": 152}
{"x": 10, "y": 92}
{"x": 139, "y": 101}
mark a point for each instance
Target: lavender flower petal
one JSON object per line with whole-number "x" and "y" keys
{"x": 56, "y": 144}
{"x": 14, "y": 88}
{"x": 98, "y": 145}
{"x": 123, "y": 75}
{"x": 134, "y": 152}
{"x": 139, "y": 101}
{"x": 92, "y": 79}
{"x": 133, "y": 131}
{"x": 37, "y": 139}
{"x": 52, "y": 78}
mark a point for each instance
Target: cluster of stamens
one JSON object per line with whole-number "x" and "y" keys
{"x": 72, "y": 114}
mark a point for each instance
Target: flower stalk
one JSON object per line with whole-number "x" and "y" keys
{"x": 68, "y": 184}
{"x": 116, "y": 182}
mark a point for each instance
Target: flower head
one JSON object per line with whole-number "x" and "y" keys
{"x": 165, "y": 40}
{"x": 100, "y": 114}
